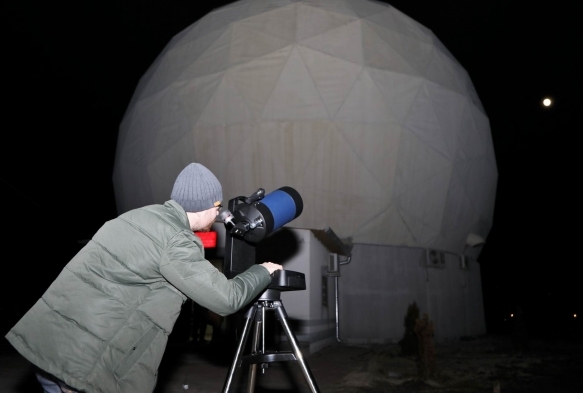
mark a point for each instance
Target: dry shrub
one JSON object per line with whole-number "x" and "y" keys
{"x": 424, "y": 330}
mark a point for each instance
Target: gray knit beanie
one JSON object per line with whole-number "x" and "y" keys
{"x": 196, "y": 189}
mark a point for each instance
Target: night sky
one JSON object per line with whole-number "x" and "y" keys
{"x": 70, "y": 72}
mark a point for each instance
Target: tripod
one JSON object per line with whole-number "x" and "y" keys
{"x": 269, "y": 300}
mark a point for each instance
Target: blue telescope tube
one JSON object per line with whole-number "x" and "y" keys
{"x": 283, "y": 205}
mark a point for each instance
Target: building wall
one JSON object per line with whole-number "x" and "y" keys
{"x": 381, "y": 282}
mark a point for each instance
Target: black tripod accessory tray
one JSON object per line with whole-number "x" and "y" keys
{"x": 288, "y": 280}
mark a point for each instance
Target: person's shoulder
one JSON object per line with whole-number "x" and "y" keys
{"x": 166, "y": 207}
{"x": 158, "y": 214}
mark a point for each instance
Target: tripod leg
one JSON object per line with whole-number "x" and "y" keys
{"x": 256, "y": 337}
{"x": 282, "y": 317}
{"x": 249, "y": 317}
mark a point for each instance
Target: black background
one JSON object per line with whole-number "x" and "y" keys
{"x": 70, "y": 71}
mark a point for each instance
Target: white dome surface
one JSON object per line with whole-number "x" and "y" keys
{"x": 355, "y": 105}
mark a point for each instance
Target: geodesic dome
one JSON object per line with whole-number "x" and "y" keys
{"x": 352, "y": 103}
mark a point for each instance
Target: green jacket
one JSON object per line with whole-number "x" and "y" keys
{"x": 103, "y": 324}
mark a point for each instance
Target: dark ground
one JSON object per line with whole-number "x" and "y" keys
{"x": 485, "y": 364}
{"x": 488, "y": 364}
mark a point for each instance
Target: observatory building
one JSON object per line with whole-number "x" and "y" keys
{"x": 368, "y": 116}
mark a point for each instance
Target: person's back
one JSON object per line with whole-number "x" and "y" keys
{"x": 103, "y": 325}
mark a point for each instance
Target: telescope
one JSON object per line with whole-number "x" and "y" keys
{"x": 257, "y": 216}
{"x": 248, "y": 220}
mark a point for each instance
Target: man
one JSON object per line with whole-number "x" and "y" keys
{"x": 103, "y": 324}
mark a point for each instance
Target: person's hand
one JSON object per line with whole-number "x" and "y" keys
{"x": 271, "y": 267}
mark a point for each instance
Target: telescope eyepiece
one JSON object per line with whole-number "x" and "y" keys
{"x": 227, "y": 217}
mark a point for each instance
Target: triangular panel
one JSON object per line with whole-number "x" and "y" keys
{"x": 443, "y": 71}
{"x": 423, "y": 122}
{"x": 295, "y": 97}
{"x": 257, "y": 7}
{"x": 482, "y": 124}
{"x": 415, "y": 52}
{"x": 177, "y": 59}
{"x": 471, "y": 91}
{"x": 344, "y": 42}
{"x": 337, "y": 6}
{"x": 377, "y": 147}
{"x": 449, "y": 108}
{"x": 479, "y": 182}
{"x": 345, "y": 213}
{"x": 470, "y": 143}
{"x": 295, "y": 143}
{"x": 396, "y": 20}
{"x": 158, "y": 122}
{"x": 247, "y": 170}
{"x": 214, "y": 20}
{"x": 194, "y": 95}
{"x": 332, "y": 76}
{"x": 386, "y": 227}
{"x": 365, "y": 104}
{"x": 256, "y": 79}
{"x": 426, "y": 202}
{"x": 418, "y": 163}
{"x": 377, "y": 53}
{"x": 227, "y": 106}
{"x": 366, "y": 8}
{"x": 443, "y": 49}
{"x": 279, "y": 22}
{"x": 219, "y": 145}
{"x": 335, "y": 167}
{"x": 458, "y": 211}
{"x": 214, "y": 59}
{"x": 313, "y": 21}
{"x": 423, "y": 234}
{"x": 249, "y": 44}
{"x": 398, "y": 90}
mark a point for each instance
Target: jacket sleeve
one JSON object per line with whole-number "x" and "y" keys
{"x": 184, "y": 266}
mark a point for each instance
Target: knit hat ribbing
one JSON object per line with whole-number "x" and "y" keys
{"x": 196, "y": 188}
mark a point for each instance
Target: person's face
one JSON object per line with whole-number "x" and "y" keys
{"x": 208, "y": 218}
{"x": 203, "y": 221}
